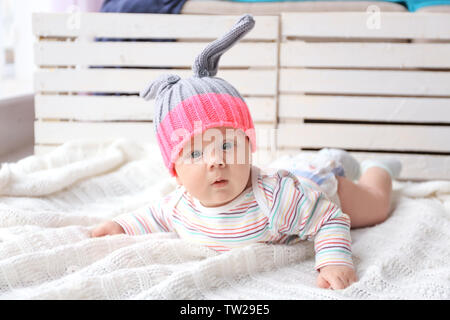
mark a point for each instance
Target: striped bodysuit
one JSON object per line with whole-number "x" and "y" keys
{"x": 279, "y": 207}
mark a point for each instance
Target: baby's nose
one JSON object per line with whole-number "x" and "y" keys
{"x": 215, "y": 157}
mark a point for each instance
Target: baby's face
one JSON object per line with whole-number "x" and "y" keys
{"x": 215, "y": 166}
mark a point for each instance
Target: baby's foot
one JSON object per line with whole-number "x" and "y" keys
{"x": 350, "y": 165}
{"x": 391, "y": 165}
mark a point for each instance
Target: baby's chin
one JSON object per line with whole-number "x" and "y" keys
{"x": 219, "y": 200}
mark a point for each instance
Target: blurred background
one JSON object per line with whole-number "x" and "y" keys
{"x": 16, "y": 39}
{"x": 17, "y": 68}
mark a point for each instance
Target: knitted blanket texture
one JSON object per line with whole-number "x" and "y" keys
{"x": 50, "y": 203}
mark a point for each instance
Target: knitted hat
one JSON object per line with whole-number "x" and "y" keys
{"x": 186, "y": 107}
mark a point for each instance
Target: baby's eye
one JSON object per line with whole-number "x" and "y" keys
{"x": 227, "y": 145}
{"x": 196, "y": 154}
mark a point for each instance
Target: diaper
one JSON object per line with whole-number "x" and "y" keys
{"x": 316, "y": 171}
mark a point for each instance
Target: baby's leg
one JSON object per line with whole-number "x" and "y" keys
{"x": 368, "y": 201}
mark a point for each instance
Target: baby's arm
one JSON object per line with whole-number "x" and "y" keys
{"x": 333, "y": 253}
{"x": 297, "y": 209}
{"x": 149, "y": 219}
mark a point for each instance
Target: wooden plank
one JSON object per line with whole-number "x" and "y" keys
{"x": 365, "y": 55}
{"x": 393, "y": 109}
{"x": 148, "y": 54}
{"x": 265, "y": 135}
{"x": 108, "y": 108}
{"x": 387, "y": 82}
{"x": 262, "y": 109}
{"x": 93, "y": 108}
{"x": 58, "y": 132}
{"x": 365, "y": 137}
{"x": 145, "y": 26}
{"x": 388, "y": 25}
{"x": 262, "y": 156}
{"x": 248, "y": 82}
{"x": 414, "y": 166}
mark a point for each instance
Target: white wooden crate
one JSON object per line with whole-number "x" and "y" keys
{"x": 311, "y": 80}
{"x": 345, "y": 83}
{"x": 89, "y": 89}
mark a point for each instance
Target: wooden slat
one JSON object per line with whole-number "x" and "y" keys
{"x": 394, "y": 109}
{"x": 265, "y": 135}
{"x": 108, "y": 108}
{"x": 148, "y": 54}
{"x": 365, "y": 137}
{"x": 56, "y": 132}
{"x": 248, "y": 82}
{"x": 385, "y": 82}
{"x": 262, "y": 109}
{"x": 414, "y": 166}
{"x": 93, "y": 108}
{"x": 365, "y": 55}
{"x": 60, "y": 132}
{"x": 138, "y": 26}
{"x": 392, "y": 25}
{"x": 262, "y": 156}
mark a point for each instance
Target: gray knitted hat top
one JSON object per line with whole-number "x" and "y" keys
{"x": 195, "y": 104}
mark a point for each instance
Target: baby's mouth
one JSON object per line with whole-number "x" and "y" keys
{"x": 220, "y": 183}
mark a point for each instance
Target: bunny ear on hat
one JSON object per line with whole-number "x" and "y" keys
{"x": 163, "y": 82}
{"x": 207, "y": 62}
{"x": 179, "y": 104}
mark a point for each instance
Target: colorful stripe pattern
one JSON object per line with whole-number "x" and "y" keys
{"x": 297, "y": 212}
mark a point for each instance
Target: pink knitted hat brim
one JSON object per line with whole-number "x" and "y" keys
{"x": 184, "y": 121}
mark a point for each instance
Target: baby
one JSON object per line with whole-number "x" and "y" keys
{"x": 206, "y": 136}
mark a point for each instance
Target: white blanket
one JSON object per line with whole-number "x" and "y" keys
{"x": 49, "y": 204}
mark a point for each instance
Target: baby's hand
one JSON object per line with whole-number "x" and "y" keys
{"x": 336, "y": 277}
{"x": 107, "y": 228}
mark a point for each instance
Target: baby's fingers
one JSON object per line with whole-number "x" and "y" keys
{"x": 322, "y": 283}
{"x": 352, "y": 279}
{"x": 99, "y": 232}
{"x": 336, "y": 283}
{"x": 330, "y": 282}
{"x": 348, "y": 279}
{"x": 108, "y": 228}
